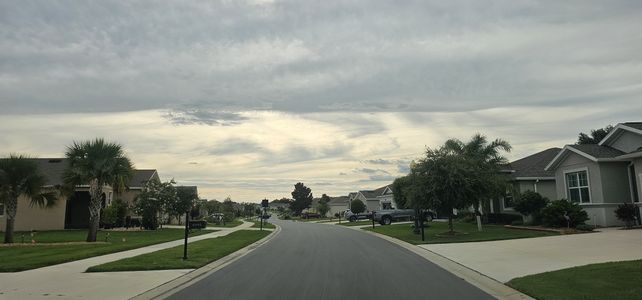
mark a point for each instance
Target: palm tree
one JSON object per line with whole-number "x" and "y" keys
{"x": 96, "y": 163}
{"x": 19, "y": 176}
{"x": 487, "y": 160}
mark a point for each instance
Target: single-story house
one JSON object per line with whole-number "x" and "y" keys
{"x": 70, "y": 212}
{"x": 338, "y": 205}
{"x": 528, "y": 174}
{"x": 602, "y": 176}
{"x": 375, "y": 199}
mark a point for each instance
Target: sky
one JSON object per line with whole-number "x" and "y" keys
{"x": 246, "y": 98}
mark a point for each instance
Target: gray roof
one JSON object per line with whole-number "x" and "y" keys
{"x": 533, "y": 165}
{"x": 338, "y": 200}
{"x": 52, "y": 169}
{"x": 374, "y": 193}
{"x": 636, "y": 125}
{"x": 140, "y": 178}
{"x": 598, "y": 151}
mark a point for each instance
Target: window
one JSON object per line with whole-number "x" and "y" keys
{"x": 509, "y": 200}
{"x": 578, "y": 187}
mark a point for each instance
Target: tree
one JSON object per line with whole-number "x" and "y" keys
{"x": 325, "y": 198}
{"x": 595, "y": 136}
{"x": 96, "y": 163}
{"x": 20, "y": 176}
{"x": 357, "y": 206}
{"x": 323, "y": 207}
{"x": 186, "y": 196}
{"x": 155, "y": 199}
{"x": 213, "y": 206}
{"x": 302, "y": 196}
{"x": 399, "y": 185}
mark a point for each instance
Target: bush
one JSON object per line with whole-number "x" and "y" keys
{"x": 627, "y": 213}
{"x": 110, "y": 216}
{"x": 553, "y": 215}
{"x": 500, "y": 218}
{"x": 531, "y": 204}
{"x": 584, "y": 227}
{"x": 517, "y": 223}
{"x": 357, "y": 206}
{"x": 121, "y": 212}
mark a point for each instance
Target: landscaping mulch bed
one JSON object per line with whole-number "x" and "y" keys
{"x": 548, "y": 229}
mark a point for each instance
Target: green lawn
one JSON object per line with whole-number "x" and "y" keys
{"x": 26, "y": 257}
{"x": 257, "y": 224}
{"x": 200, "y": 253}
{"x": 468, "y": 232}
{"x": 357, "y": 223}
{"x": 614, "y": 280}
{"x": 227, "y": 224}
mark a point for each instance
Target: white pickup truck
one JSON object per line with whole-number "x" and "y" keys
{"x": 352, "y": 217}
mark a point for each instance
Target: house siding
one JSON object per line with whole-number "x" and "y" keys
{"x": 575, "y": 162}
{"x": 627, "y": 142}
{"x": 637, "y": 165}
{"x": 615, "y": 182}
{"x": 546, "y": 188}
{"x": 35, "y": 218}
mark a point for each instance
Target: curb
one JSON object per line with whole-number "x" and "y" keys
{"x": 171, "y": 287}
{"x": 479, "y": 280}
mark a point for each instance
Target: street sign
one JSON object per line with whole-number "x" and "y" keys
{"x": 265, "y": 203}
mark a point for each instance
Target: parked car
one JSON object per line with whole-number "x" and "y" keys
{"x": 352, "y": 217}
{"x": 309, "y": 215}
{"x": 387, "y": 216}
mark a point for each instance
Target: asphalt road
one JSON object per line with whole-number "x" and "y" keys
{"x": 316, "y": 261}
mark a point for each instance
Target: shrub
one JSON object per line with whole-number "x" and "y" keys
{"x": 121, "y": 212}
{"x": 585, "y": 227}
{"x": 517, "y": 223}
{"x": 531, "y": 204}
{"x": 553, "y": 215}
{"x": 110, "y": 216}
{"x": 627, "y": 213}
{"x": 500, "y": 218}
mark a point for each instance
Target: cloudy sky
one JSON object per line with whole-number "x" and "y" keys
{"x": 246, "y": 98}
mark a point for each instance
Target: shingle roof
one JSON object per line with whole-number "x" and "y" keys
{"x": 598, "y": 151}
{"x": 52, "y": 168}
{"x": 636, "y": 125}
{"x": 338, "y": 200}
{"x": 374, "y": 193}
{"x": 140, "y": 177}
{"x": 533, "y": 165}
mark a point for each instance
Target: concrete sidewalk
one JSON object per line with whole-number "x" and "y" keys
{"x": 68, "y": 280}
{"x": 505, "y": 260}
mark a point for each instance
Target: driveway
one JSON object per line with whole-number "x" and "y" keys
{"x": 505, "y": 260}
{"x": 318, "y": 261}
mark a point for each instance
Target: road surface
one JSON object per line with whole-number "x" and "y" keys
{"x": 317, "y": 261}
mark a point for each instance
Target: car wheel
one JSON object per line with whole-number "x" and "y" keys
{"x": 352, "y": 219}
{"x": 386, "y": 220}
{"x": 428, "y": 217}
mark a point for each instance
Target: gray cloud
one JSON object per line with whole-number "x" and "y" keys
{"x": 203, "y": 117}
{"x": 235, "y": 146}
{"x": 370, "y": 171}
{"x": 414, "y": 56}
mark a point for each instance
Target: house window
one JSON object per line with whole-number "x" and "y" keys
{"x": 509, "y": 200}
{"x": 578, "y": 187}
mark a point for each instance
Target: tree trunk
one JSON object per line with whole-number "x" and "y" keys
{"x": 95, "y": 204}
{"x": 416, "y": 230}
{"x": 12, "y": 209}
{"x": 450, "y": 223}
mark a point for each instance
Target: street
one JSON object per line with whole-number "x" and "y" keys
{"x": 317, "y": 261}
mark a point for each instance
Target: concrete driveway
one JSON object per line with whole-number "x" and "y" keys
{"x": 505, "y": 260}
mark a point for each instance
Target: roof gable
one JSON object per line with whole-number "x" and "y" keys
{"x": 534, "y": 166}
{"x": 595, "y": 153}
{"x": 609, "y": 139}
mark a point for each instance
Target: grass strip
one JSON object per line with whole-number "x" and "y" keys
{"x": 26, "y": 257}
{"x": 257, "y": 224}
{"x": 434, "y": 233}
{"x": 613, "y": 280}
{"x": 227, "y": 224}
{"x": 200, "y": 253}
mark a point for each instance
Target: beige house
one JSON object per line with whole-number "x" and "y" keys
{"x": 70, "y": 211}
{"x": 601, "y": 177}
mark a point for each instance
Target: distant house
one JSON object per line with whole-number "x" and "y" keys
{"x": 70, "y": 212}
{"x": 528, "y": 174}
{"x": 338, "y": 204}
{"x": 600, "y": 177}
{"x": 375, "y": 199}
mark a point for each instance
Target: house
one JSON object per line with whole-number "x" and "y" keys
{"x": 372, "y": 199}
{"x": 600, "y": 177}
{"x": 70, "y": 212}
{"x": 338, "y": 204}
{"x": 528, "y": 174}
